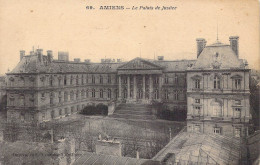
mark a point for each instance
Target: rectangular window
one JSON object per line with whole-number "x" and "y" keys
{"x": 237, "y": 132}
{"x": 237, "y": 83}
{"x": 196, "y": 128}
{"x": 176, "y": 96}
{"x": 237, "y": 102}
{"x": 166, "y": 80}
{"x": 217, "y": 131}
{"x": 109, "y": 79}
{"x": 197, "y": 84}
{"x": 197, "y": 101}
{"x": 237, "y": 112}
{"x": 197, "y": 110}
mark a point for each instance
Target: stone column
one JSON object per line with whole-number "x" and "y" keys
{"x": 160, "y": 87}
{"x": 134, "y": 93}
{"x": 128, "y": 87}
{"x": 119, "y": 87}
{"x": 150, "y": 87}
{"x": 143, "y": 87}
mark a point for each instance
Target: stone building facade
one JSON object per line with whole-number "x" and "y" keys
{"x": 40, "y": 88}
{"x": 218, "y": 90}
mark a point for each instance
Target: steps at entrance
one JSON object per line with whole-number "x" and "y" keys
{"x": 133, "y": 111}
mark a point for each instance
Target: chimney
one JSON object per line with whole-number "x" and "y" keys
{"x": 87, "y": 60}
{"x": 76, "y": 59}
{"x": 39, "y": 53}
{"x": 234, "y": 44}
{"x": 160, "y": 58}
{"x": 63, "y": 56}
{"x": 201, "y": 43}
{"x": 22, "y": 54}
{"x": 49, "y": 55}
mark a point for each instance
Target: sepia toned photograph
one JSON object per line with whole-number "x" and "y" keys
{"x": 129, "y": 82}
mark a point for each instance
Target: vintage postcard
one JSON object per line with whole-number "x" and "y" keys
{"x": 125, "y": 82}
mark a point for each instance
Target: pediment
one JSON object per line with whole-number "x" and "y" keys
{"x": 139, "y": 63}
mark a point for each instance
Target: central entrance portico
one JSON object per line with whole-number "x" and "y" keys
{"x": 139, "y": 81}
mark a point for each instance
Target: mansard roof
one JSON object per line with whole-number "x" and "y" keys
{"x": 31, "y": 64}
{"x": 218, "y": 56}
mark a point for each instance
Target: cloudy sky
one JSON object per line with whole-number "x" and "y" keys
{"x": 60, "y": 25}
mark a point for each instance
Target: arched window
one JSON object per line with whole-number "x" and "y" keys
{"x": 101, "y": 93}
{"x": 216, "y": 82}
{"x": 109, "y": 93}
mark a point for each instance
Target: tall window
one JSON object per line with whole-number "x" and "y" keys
{"x": 51, "y": 81}
{"x": 237, "y": 112}
{"x": 176, "y": 79}
{"x": 197, "y": 110}
{"x": 216, "y": 82}
{"x": 93, "y": 93}
{"x": 51, "y": 98}
{"x": 21, "y": 100}
{"x": 166, "y": 80}
{"x": 71, "y": 95}
{"x": 65, "y": 96}
{"x": 109, "y": 93}
{"x": 196, "y": 128}
{"x": 65, "y": 80}
{"x": 101, "y": 79}
{"x": 166, "y": 93}
{"x": 101, "y": 93}
{"x": 156, "y": 93}
{"x": 237, "y": 132}
{"x": 77, "y": 80}
{"x": 109, "y": 79}
{"x": 77, "y": 94}
{"x": 237, "y": 83}
{"x": 93, "y": 79}
{"x": 176, "y": 96}
{"x": 156, "y": 80}
{"x": 217, "y": 110}
{"x": 71, "y": 80}
{"x": 82, "y": 79}
{"x": 197, "y": 84}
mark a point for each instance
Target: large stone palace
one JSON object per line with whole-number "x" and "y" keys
{"x": 214, "y": 88}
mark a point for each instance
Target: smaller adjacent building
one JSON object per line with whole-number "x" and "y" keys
{"x": 218, "y": 90}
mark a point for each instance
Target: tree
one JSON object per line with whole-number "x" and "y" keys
{"x": 254, "y": 103}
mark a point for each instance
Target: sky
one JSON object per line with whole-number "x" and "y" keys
{"x": 60, "y": 25}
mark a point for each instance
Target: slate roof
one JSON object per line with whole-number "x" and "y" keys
{"x": 202, "y": 149}
{"x": 31, "y": 64}
{"x": 99, "y": 159}
{"x": 218, "y": 54}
